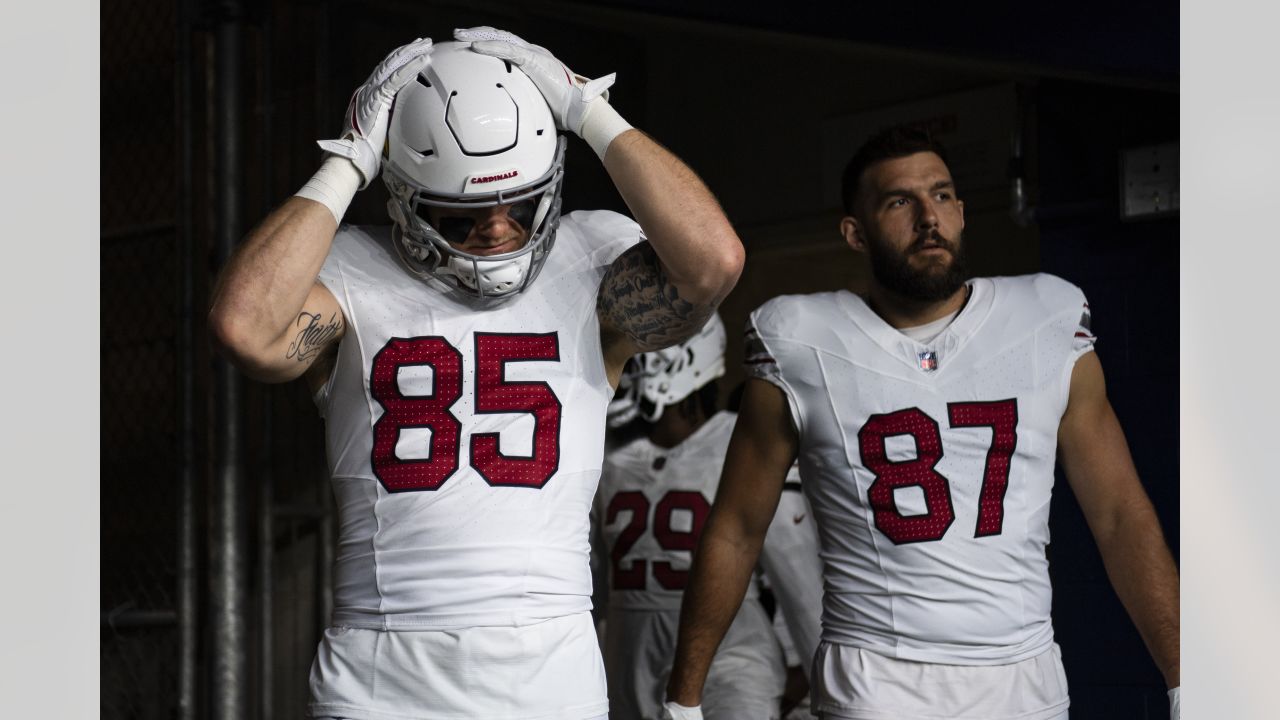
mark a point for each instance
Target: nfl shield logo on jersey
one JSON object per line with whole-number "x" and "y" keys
{"x": 928, "y": 361}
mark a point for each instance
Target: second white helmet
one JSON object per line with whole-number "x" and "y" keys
{"x": 625, "y": 405}
{"x": 472, "y": 131}
{"x": 665, "y": 377}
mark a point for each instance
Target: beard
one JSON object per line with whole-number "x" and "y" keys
{"x": 935, "y": 282}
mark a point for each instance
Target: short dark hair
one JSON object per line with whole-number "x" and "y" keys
{"x": 889, "y": 143}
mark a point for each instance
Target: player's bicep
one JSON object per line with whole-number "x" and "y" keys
{"x": 640, "y": 309}
{"x": 308, "y": 345}
{"x": 1094, "y": 453}
{"x": 761, "y": 450}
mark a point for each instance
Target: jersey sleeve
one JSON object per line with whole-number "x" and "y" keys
{"x": 1084, "y": 337}
{"x": 333, "y": 276}
{"x": 1066, "y": 333}
{"x": 757, "y": 361}
{"x": 350, "y": 242}
{"x": 606, "y": 234}
{"x": 760, "y": 361}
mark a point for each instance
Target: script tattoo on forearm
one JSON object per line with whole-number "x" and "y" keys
{"x": 637, "y": 298}
{"x": 312, "y": 336}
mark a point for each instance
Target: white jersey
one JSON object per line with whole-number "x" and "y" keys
{"x": 930, "y": 467}
{"x": 465, "y": 440}
{"x": 791, "y": 561}
{"x": 650, "y": 511}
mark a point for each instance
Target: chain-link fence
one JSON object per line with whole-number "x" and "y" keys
{"x": 139, "y": 366}
{"x": 157, "y": 228}
{"x": 139, "y": 474}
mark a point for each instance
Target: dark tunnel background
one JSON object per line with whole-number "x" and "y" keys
{"x": 765, "y": 104}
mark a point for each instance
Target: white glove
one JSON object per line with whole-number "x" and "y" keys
{"x": 364, "y": 131}
{"x": 567, "y": 93}
{"x": 1173, "y": 703}
{"x": 676, "y": 711}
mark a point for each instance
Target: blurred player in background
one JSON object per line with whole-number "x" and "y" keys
{"x": 791, "y": 583}
{"x": 655, "y": 493}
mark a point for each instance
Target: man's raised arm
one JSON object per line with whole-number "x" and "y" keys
{"x": 657, "y": 293}
{"x": 270, "y": 315}
{"x": 660, "y": 293}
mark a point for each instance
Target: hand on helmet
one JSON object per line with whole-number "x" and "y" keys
{"x": 567, "y": 93}
{"x": 364, "y": 132}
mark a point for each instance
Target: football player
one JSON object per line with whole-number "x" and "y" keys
{"x": 655, "y": 493}
{"x": 791, "y": 564}
{"x": 792, "y": 573}
{"x": 463, "y": 359}
{"x": 926, "y": 418}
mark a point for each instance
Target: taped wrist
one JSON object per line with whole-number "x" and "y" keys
{"x": 676, "y": 711}
{"x": 333, "y": 185}
{"x": 601, "y": 125}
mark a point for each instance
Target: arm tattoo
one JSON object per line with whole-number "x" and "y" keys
{"x": 637, "y": 299}
{"x": 313, "y": 336}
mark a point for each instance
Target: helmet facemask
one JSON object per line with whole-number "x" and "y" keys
{"x": 665, "y": 377}
{"x": 468, "y": 134}
{"x": 427, "y": 252}
{"x": 625, "y": 405}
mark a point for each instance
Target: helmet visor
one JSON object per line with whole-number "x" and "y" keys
{"x": 455, "y": 225}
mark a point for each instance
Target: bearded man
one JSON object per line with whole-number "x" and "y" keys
{"x": 927, "y": 418}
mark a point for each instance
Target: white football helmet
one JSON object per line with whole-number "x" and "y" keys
{"x": 625, "y": 407}
{"x": 669, "y": 375}
{"x": 472, "y": 131}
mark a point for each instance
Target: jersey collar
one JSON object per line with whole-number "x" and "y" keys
{"x": 931, "y": 358}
